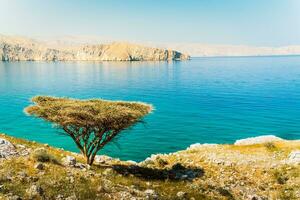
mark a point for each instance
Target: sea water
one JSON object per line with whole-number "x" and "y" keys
{"x": 204, "y": 100}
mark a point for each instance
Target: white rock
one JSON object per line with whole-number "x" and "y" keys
{"x": 6, "y": 148}
{"x": 69, "y": 160}
{"x": 102, "y": 159}
{"x": 151, "y": 194}
{"x": 198, "y": 145}
{"x": 35, "y": 190}
{"x": 181, "y": 195}
{"x": 21, "y": 146}
{"x": 131, "y": 162}
{"x": 294, "y": 157}
{"x": 258, "y": 140}
{"x": 4, "y": 142}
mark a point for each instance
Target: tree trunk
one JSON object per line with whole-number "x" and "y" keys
{"x": 87, "y": 157}
{"x": 87, "y": 160}
{"x": 92, "y": 158}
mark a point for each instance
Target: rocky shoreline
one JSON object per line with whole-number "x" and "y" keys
{"x": 265, "y": 167}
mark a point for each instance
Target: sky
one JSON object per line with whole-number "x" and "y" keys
{"x": 237, "y": 22}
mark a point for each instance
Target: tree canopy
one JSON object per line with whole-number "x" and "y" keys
{"x": 90, "y": 123}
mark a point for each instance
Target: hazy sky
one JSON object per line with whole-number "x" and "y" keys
{"x": 249, "y": 22}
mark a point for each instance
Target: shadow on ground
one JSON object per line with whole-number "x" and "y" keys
{"x": 177, "y": 172}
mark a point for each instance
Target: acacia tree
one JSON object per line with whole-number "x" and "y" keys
{"x": 90, "y": 123}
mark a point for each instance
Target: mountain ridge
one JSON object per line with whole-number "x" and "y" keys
{"x": 215, "y": 50}
{"x": 26, "y": 49}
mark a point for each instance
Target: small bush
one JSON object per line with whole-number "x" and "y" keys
{"x": 42, "y": 155}
{"x": 224, "y": 192}
{"x": 270, "y": 146}
{"x": 287, "y": 194}
{"x": 161, "y": 162}
{"x": 280, "y": 177}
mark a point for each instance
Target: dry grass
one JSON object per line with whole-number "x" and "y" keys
{"x": 236, "y": 180}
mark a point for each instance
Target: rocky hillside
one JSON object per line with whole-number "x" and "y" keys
{"x": 22, "y": 49}
{"x": 256, "y": 169}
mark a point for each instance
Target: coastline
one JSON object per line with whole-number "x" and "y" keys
{"x": 266, "y": 169}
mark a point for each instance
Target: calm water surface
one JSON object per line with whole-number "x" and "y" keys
{"x": 206, "y": 100}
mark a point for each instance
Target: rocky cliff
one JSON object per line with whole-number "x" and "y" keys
{"x": 22, "y": 49}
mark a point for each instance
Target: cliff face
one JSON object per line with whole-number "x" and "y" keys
{"x": 16, "y": 49}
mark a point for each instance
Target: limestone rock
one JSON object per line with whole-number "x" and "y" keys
{"x": 16, "y": 49}
{"x": 258, "y": 140}
{"x": 198, "y": 145}
{"x": 69, "y": 161}
{"x": 102, "y": 159}
{"x": 294, "y": 157}
{"x": 6, "y": 149}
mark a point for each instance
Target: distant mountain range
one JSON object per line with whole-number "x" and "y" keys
{"x": 99, "y": 49}
{"x": 24, "y": 49}
{"x": 193, "y": 49}
{"x": 207, "y": 50}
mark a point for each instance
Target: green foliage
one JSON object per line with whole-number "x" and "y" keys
{"x": 90, "y": 123}
{"x": 41, "y": 155}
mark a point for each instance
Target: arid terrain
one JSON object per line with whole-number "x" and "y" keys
{"x": 257, "y": 168}
{"x": 25, "y": 49}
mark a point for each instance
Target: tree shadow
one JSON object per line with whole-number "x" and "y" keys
{"x": 176, "y": 172}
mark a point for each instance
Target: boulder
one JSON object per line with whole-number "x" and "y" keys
{"x": 258, "y": 140}
{"x": 102, "y": 159}
{"x": 294, "y": 157}
{"x": 7, "y": 149}
{"x": 69, "y": 161}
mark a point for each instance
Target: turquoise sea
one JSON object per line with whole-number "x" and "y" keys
{"x": 205, "y": 100}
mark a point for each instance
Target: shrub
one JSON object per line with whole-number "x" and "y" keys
{"x": 270, "y": 146}
{"x": 42, "y": 155}
{"x": 280, "y": 177}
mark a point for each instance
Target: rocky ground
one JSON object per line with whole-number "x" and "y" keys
{"x": 257, "y": 168}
